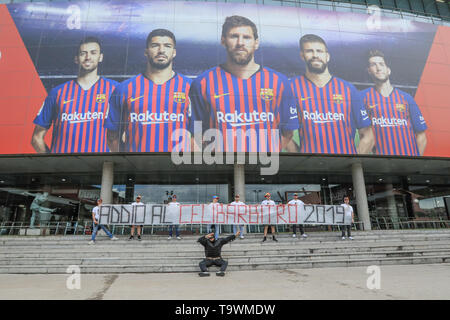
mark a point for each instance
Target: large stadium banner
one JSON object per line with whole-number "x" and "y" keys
{"x": 83, "y": 77}
{"x": 162, "y": 214}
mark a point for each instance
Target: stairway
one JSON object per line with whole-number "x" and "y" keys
{"x": 54, "y": 254}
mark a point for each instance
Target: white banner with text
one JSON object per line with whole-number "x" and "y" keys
{"x": 163, "y": 214}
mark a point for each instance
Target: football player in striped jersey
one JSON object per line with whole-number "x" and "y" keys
{"x": 398, "y": 124}
{"x": 76, "y": 108}
{"x": 147, "y": 109}
{"x": 330, "y": 108}
{"x": 250, "y": 105}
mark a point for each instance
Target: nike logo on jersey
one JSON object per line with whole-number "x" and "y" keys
{"x": 216, "y": 96}
{"x": 304, "y": 99}
{"x": 67, "y": 101}
{"x": 134, "y": 99}
{"x": 372, "y": 106}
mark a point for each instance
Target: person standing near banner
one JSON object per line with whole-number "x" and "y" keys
{"x": 348, "y": 209}
{"x": 297, "y": 202}
{"x": 174, "y": 203}
{"x": 237, "y": 202}
{"x": 268, "y": 202}
{"x": 97, "y": 225}
{"x": 214, "y": 203}
{"x": 136, "y": 203}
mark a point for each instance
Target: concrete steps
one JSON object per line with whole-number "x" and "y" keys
{"x": 232, "y": 259}
{"x": 157, "y": 254}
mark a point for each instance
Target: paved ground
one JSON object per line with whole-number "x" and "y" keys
{"x": 397, "y": 282}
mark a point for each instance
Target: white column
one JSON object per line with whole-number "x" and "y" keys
{"x": 107, "y": 182}
{"x": 239, "y": 184}
{"x": 361, "y": 195}
{"x": 239, "y": 181}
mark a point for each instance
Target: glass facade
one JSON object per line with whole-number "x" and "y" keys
{"x": 394, "y": 201}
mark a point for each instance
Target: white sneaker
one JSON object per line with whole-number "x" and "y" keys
{"x": 114, "y": 239}
{"x": 343, "y": 238}
{"x": 351, "y": 238}
{"x": 169, "y": 238}
{"x": 294, "y": 236}
{"x": 304, "y": 235}
{"x": 179, "y": 238}
{"x": 92, "y": 242}
{"x": 242, "y": 237}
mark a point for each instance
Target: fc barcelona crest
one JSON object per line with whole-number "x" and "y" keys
{"x": 266, "y": 94}
{"x": 101, "y": 98}
{"x": 337, "y": 98}
{"x": 179, "y": 97}
{"x": 400, "y": 107}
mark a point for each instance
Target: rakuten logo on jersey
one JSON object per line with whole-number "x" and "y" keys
{"x": 389, "y": 122}
{"x": 77, "y": 117}
{"x": 156, "y": 118}
{"x": 318, "y": 117}
{"x": 245, "y": 119}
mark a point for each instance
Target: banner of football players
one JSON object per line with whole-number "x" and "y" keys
{"x": 133, "y": 76}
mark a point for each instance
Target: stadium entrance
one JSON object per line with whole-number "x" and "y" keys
{"x": 400, "y": 192}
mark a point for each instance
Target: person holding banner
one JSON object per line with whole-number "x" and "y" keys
{"x": 209, "y": 227}
{"x": 213, "y": 248}
{"x": 237, "y": 203}
{"x": 173, "y": 202}
{"x": 297, "y": 202}
{"x": 348, "y": 209}
{"x": 136, "y": 203}
{"x": 268, "y": 202}
{"x": 96, "y": 225}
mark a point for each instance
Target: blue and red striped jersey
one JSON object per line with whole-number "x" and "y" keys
{"x": 77, "y": 116}
{"x": 149, "y": 114}
{"x": 395, "y": 120}
{"x": 248, "y": 113}
{"x": 329, "y": 115}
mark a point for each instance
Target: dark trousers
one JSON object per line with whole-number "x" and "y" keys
{"x": 294, "y": 229}
{"x": 348, "y": 227}
{"x": 209, "y": 262}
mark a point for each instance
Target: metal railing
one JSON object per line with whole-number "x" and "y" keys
{"x": 85, "y": 228}
{"x": 386, "y": 223}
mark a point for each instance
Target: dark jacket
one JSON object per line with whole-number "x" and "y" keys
{"x": 213, "y": 249}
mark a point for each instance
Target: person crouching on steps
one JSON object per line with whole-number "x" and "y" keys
{"x": 213, "y": 250}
